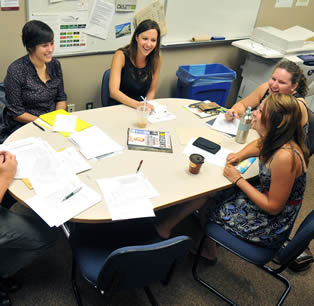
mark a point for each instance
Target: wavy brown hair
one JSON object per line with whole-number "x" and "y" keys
{"x": 131, "y": 49}
{"x": 281, "y": 115}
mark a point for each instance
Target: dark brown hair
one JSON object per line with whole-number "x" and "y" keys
{"x": 131, "y": 49}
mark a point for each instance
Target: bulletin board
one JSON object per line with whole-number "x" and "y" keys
{"x": 231, "y": 19}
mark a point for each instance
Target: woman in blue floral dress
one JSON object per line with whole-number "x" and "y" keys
{"x": 263, "y": 214}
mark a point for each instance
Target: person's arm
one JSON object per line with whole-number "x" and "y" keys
{"x": 282, "y": 180}
{"x": 238, "y": 109}
{"x": 61, "y": 105}
{"x": 152, "y": 90}
{"x": 25, "y": 118}
{"x": 250, "y": 150}
{"x": 8, "y": 165}
{"x": 118, "y": 62}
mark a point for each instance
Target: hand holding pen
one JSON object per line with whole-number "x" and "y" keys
{"x": 147, "y": 104}
{"x": 231, "y": 114}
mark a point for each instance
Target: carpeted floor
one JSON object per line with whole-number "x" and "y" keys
{"x": 47, "y": 281}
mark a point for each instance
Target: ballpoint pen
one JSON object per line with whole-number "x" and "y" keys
{"x": 72, "y": 194}
{"x": 38, "y": 126}
{"x": 139, "y": 166}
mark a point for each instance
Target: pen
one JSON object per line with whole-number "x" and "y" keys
{"x": 38, "y": 126}
{"x": 139, "y": 166}
{"x": 72, "y": 194}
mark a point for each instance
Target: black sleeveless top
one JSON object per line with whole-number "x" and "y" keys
{"x": 135, "y": 82}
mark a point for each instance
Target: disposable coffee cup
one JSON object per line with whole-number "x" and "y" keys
{"x": 196, "y": 161}
{"x": 143, "y": 112}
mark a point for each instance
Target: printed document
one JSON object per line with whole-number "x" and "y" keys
{"x": 59, "y": 207}
{"x": 128, "y": 196}
{"x": 100, "y": 19}
{"x": 225, "y": 126}
{"x": 93, "y": 142}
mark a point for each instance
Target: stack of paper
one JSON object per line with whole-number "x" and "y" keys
{"x": 60, "y": 206}
{"x": 53, "y": 178}
{"x": 93, "y": 142}
{"x": 128, "y": 196}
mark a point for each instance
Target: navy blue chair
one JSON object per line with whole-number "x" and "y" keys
{"x": 105, "y": 94}
{"x": 257, "y": 255}
{"x": 118, "y": 264}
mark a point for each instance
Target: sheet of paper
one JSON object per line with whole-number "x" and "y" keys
{"x": 100, "y": 19}
{"x": 29, "y": 153}
{"x": 154, "y": 11}
{"x": 54, "y": 211}
{"x": 50, "y": 174}
{"x": 225, "y": 126}
{"x": 218, "y": 159}
{"x": 160, "y": 113}
{"x": 73, "y": 160}
{"x": 128, "y": 196}
{"x": 65, "y": 123}
{"x": 93, "y": 142}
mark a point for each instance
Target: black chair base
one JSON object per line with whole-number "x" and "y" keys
{"x": 273, "y": 272}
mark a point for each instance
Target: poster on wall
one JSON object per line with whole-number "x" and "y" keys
{"x": 69, "y": 31}
{"x": 9, "y": 5}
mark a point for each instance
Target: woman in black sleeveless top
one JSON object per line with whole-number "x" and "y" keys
{"x": 135, "y": 68}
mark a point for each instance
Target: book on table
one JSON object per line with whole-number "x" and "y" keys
{"x": 205, "y": 109}
{"x": 146, "y": 140}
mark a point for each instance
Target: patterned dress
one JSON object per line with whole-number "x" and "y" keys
{"x": 242, "y": 217}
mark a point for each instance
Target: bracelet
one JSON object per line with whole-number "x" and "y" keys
{"x": 238, "y": 180}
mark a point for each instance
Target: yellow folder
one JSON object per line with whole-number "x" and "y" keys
{"x": 51, "y": 117}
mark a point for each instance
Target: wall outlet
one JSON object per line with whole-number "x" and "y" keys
{"x": 89, "y": 105}
{"x": 71, "y": 108}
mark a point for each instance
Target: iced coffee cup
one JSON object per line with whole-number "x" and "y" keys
{"x": 143, "y": 112}
{"x": 196, "y": 161}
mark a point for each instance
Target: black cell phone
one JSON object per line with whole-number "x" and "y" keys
{"x": 206, "y": 145}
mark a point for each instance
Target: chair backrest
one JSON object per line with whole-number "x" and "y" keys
{"x": 139, "y": 266}
{"x": 3, "y": 102}
{"x": 300, "y": 241}
{"x": 105, "y": 95}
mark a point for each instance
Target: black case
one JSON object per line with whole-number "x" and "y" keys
{"x": 206, "y": 145}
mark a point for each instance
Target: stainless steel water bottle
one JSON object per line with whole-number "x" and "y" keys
{"x": 244, "y": 126}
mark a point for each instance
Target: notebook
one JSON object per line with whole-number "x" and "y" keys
{"x": 51, "y": 117}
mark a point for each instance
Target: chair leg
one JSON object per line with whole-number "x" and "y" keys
{"x": 150, "y": 296}
{"x": 282, "y": 279}
{"x": 201, "y": 281}
{"x": 74, "y": 285}
{"x": 215, "y": 291}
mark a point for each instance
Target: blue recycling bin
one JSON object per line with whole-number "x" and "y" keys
{"x": 205, "y": 82}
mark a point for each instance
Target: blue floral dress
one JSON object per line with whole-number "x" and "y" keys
{"x": 241, "y": 216}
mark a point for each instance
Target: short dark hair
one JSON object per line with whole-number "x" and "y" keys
{"x": 36, "y": 32}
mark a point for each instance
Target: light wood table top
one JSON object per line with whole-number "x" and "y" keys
{"x": 167, "y": 172}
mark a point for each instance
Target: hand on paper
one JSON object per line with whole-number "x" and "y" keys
{"x": 8, "y": 166}
{"x": 233, "y": 159}
{"x": 231, "y": 173}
